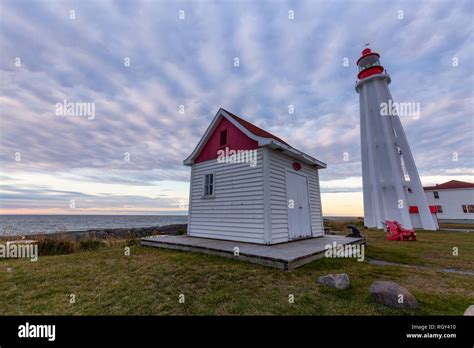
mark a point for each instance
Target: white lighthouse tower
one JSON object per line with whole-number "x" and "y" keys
{"x": 392, "y": 186}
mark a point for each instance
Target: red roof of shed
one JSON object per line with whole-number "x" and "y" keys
{"x": 254, "y": 133}
{"x": 450, "y": 185}
{"x": 254, "y": 129}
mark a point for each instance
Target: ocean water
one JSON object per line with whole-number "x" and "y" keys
{"x": 28, "y": 224}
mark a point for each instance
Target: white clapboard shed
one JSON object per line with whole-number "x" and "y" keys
{"x": 248, "y": 185}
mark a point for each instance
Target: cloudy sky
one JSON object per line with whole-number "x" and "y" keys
{"x": 141, "y": 62}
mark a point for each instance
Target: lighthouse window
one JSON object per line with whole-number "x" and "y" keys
{"x": 368, "y": 62}
{"x": 440, "y": 209}
{"x": 436, "y": 194}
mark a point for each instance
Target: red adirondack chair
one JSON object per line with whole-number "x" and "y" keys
{"x": 395, "y": 231}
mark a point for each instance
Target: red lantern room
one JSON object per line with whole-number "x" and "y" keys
{"x": 369, "y": 64}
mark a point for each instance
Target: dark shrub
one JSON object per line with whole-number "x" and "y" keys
{"x": 133, "y": 241}
{"x": 91, "y": 244}
{"x": 55, "y": 246}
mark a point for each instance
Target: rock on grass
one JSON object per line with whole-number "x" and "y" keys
{"x": 337, "y": 281}
{"x": 469, "y": 310}
{"x": 393, "y": 295}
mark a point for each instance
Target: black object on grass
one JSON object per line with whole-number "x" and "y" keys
{"x": 355, "y": 232}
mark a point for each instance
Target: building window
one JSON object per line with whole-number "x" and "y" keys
{"x": 436, "y": 194}
{"x": 470, "y": 208}
{"x": 223, "y": 138}
{"x": 440, "y": 209}
{"x": 464, "y": 208}
{"x": 208, "y": 185}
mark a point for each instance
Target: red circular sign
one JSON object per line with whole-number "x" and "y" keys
{"x": 296, "y": 165}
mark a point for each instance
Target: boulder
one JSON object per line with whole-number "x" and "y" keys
{"x": 393, "y": 295}
{"x": 337, "y": 281}
{"x": 469, "y": 310}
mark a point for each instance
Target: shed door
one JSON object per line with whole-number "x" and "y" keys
{"x": 299, "y": 221}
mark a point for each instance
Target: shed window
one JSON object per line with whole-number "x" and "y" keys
{"x": 470, "y": 208}
{"x": 436, "y": 194}
{"x": 223, "y": 138}
{"x": 208, "y": 185}
{"x": 440, "y": 209}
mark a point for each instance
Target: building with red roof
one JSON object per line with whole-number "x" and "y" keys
{"x": 454, "y": 200}
{"x": 250, "y": 185}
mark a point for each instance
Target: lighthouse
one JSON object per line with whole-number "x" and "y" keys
{"x": 391, "y": 184}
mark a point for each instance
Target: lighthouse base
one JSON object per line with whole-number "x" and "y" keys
{"x": 416, "y": 219}
{"x": 415, "y": 222}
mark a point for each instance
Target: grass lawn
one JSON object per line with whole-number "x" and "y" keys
{"x": 150, "y": 280}
{"x": 468, "y": 226}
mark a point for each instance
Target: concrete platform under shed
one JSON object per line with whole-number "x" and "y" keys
{"x": 284, "y": 256}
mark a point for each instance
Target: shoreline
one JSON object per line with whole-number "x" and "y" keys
{"x": 104, "y": 233}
